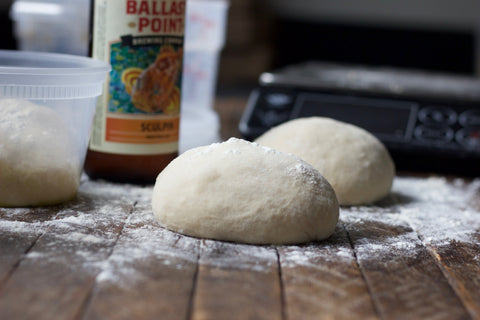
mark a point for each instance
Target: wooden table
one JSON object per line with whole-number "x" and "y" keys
{"x": 413, "y": 255}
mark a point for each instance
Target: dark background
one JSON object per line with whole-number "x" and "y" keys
{"x": 259, "y": 39}
{"x": 7, "y": 40}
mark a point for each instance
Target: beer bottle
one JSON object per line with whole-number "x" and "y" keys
{"x": 136, "y": 127}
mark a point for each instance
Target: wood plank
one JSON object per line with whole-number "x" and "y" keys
{"x": 19, "y": 230}
{"x": 237, "y": 281}
{"x": 461, "y": 265}
{"x": 418, "y": 253}
{"x": 322, "y": 281}
{"x": 450, "y": 228}
{"x": 56, "y": 275}
{"x": 403, "y": 278}
{"x": 150, "y": 274}
{"x": 446, "y": 215}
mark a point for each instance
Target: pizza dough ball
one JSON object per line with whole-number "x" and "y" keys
{"x": 239, "y": 191}
{"x": 357, "y": 164}
{"x": 38, "y": 160}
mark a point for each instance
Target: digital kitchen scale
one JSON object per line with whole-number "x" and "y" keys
{"x": 429, "y": 122}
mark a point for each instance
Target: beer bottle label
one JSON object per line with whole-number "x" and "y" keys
{"x": 139, "y": 110}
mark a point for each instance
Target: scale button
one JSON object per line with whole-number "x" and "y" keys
{"x": 469, "y": 137}
{"x": 470, "y": 118}
{"x": 437, "y": 115}
{"x": 271, "y": 118}
{"x": 278, "y": 100}
{"x": 429, "y": 133}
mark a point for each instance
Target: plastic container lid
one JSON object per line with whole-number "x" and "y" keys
{"x": 48, "y": 9}
{"x": 35, "y": 75}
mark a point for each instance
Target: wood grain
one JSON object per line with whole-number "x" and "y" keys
{"x": 237, "y": 282}
{"x": 413, "y": 255}
{"x": 403, "y": 278}
{"x": 320, "y": 277}
{"x": 56, "y": 276}
{"x": 452, "y": 235}
{"x": 461, "y": 265}
{"x": 19, "y": 231}
{"x": 150, "y": 274}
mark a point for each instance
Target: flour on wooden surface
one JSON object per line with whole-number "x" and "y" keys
{"x": 85, "y": 229}
{"x": 119, "y": 246}
{"x": 430, "y": 211}
{"x": 315, "y": 255}
{"x": 144, "y": 244}
{"x": 238, "y": 256}
{"x": 420, "y": 210}
{"x": 423, "y": 207}
{"x": 20, "y": 227}
{"x": 115, "y": 190}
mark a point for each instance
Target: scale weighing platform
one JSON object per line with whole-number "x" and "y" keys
{"x": 429, "y": 122}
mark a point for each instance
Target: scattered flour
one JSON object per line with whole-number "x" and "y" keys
{"x": 424, "y": 209}
{"x": 143, "y": 244}
{"x": 238, "y": 256}
{"x": 419, "y": 210}
{"x": 315, "y": 255}
{"x": 121, "y": 247}
{"x": 432, "y": 202}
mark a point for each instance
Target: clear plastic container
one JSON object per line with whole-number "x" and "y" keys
{"x": 62, "y": 26}
{"x": 204, "y": 39}
{"x": 47, "y": 102}
{"x": 51, "y": 25}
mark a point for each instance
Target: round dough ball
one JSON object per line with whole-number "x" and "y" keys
{"x": 240, "y": 191}
{"x": 38, "y": 160}
{"x": 357, "y": 164}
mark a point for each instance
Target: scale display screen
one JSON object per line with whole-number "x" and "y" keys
{"x": 389, "y": 119}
